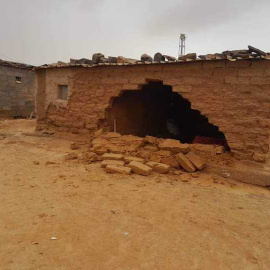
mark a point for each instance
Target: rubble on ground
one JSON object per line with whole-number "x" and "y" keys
{"x": 71, "y": 156}
{"x": 107, "y": 162}
{"x": 185, "y": 163}
{"x": 174, "y": 146}
{"x": 74, "y": 146}
{"x": 140, "y": 168}
{"x": 196, "y": 160}
{"x": 159, "y": 167}
{"x": 117, "y": 169}
{"x": 127, "y": 153}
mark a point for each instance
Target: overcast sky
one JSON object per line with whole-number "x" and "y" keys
{"x": 45, "y": 31}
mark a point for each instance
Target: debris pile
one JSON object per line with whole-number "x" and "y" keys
{"x": 131, "y": 154}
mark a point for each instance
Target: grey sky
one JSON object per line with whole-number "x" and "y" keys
{"x": 38, "y": 31}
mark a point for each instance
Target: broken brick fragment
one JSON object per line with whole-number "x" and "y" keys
{"x": 196, "y": 160}
{"x": 111, "y": 156}
{"x": 185, "y": 163}
{"x": 140, "y": 168}
{"x": 118, "y": 169}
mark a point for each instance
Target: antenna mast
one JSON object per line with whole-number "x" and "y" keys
{"x": 182, "y": 45}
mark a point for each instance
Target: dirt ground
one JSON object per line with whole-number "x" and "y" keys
{"x": 106, "y": 221}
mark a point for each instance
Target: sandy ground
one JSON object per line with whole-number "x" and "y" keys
{"x": 120, "y": 222}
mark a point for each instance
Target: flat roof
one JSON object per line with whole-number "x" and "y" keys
{"x": 138, "y": 63}
{"x": 15, "y": 64}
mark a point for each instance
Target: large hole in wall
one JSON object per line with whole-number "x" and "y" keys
{"x": 157, "y": 111}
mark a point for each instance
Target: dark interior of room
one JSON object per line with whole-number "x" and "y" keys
{"x": 158, "y": 111}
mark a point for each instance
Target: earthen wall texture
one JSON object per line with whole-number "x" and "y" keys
{"x": 235, "y": 96}
{"x": 16, "y": 98}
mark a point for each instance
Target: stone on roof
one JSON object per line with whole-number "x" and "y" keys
{"x": 99, "y": 59}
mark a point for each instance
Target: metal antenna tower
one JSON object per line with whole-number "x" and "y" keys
{"x": 182, "y": 44}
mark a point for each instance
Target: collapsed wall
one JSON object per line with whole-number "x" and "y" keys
{"x": 234, "y": 96}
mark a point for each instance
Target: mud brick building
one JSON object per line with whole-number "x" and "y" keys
{"x": 16, "y": 89}
{"x": 222, "y": 99}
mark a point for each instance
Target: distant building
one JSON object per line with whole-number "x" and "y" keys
{"x": 17, "y": 93}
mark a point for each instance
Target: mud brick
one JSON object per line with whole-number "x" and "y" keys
{"x": 185, "y": 163}
{"x": 118, "y": 169}
{"x": 140, "y": 168}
